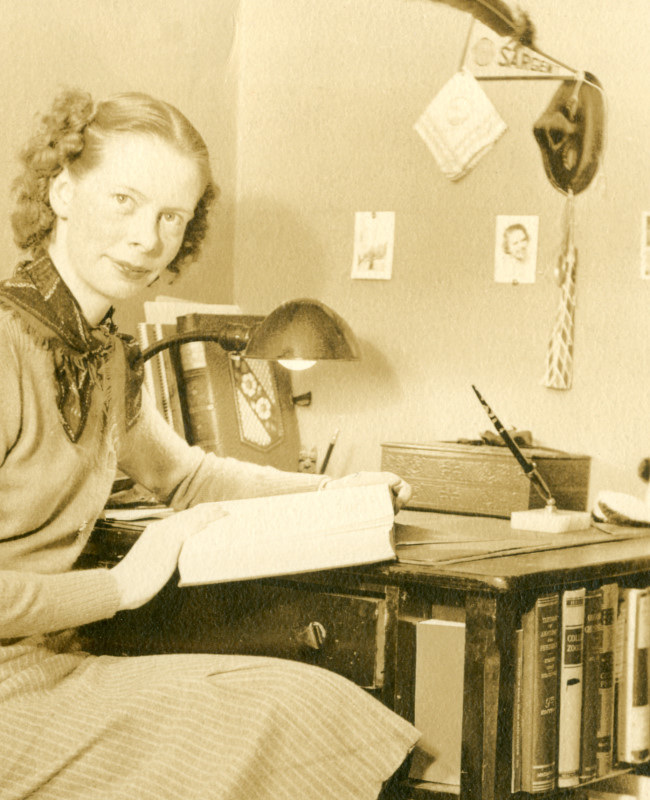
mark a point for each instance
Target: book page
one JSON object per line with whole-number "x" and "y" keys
{"x": 136, "y": 513}
{"x": 287, "y": 534}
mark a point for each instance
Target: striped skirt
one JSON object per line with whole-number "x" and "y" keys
{"x": 188, "y": 727}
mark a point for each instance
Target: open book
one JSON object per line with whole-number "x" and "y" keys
{"x": 291, "y": 533}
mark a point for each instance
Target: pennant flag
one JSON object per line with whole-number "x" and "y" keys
{"x": 489, "y": 55}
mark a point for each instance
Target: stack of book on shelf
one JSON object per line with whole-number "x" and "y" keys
{"x": 581, "y": 708}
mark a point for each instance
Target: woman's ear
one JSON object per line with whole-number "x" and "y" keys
{"x": 61, "y": 190}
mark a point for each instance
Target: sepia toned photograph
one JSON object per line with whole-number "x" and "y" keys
{"x": 515, "y": 254}
{"x": 324, "y": 450}
{"x": 374, "y": 233}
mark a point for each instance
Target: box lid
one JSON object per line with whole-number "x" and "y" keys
{"x": 484, "y": 450}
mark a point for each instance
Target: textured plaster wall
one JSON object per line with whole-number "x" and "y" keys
{"x": 328, "y": 96}
{"x": 182, "y": 52}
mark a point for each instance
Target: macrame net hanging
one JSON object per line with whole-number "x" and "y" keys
{"x": 559, "y": 354}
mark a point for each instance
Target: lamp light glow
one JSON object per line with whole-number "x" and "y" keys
{"x": 296, "y": 364}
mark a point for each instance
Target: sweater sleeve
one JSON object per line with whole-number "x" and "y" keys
{"x": 31, "y": 603}
{"x": 10, "y": 392}
{"x": 158, "y": 458}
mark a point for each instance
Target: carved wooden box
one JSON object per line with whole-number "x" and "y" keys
{"x": 485, "y": 479}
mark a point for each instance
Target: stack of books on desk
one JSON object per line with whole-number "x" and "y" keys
{"x": 160, "y": 377}
{"x": 581, "y": 707}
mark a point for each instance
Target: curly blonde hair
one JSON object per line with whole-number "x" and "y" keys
{"x": 73, "y": 134}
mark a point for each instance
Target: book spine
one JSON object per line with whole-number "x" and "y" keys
{"x": 620, "y": 681}
{"x": 539, "y": 694}
{"x": 160, "y": 376}
{"x": 591, "y": 669}
{"x": 168, "y": 380}
{"x": 571, "y": 673}
{"x": 158, "y": 364}
{"x": 632, "y": 696}
{"x": 201, "y": 411}
{"x": 198, "y": 397}
{"x": 516, "y": 713}
{"x": 438, "y": 712}
{"x": 640, "y": 740}
{"x": 605, "y": 732}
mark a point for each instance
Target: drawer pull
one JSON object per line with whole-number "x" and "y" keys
{"x": 312, "y": 636}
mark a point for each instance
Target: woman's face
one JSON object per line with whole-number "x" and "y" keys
{"x": 518, "y": 244}
{"x": 122, "y": 222}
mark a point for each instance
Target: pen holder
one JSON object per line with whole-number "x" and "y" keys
{"x": 550, "y": 520}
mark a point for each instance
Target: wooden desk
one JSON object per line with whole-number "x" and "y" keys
{"x": 368, "y": 616}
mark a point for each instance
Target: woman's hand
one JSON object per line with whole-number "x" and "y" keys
{"x": 151, "y": 562}
{"x": 400, "y": 490}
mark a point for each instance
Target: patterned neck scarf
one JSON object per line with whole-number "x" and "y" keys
{"x": 38, "y": 293}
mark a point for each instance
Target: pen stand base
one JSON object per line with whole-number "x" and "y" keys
{"x": 550, "y": 520}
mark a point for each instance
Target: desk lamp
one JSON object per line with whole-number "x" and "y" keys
{"x": 297, "y": 334}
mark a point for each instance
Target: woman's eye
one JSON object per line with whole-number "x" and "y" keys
{"x": 172, "y": 219}
{"x": 123, "y": 200}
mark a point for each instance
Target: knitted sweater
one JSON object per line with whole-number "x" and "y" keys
{"x": 52, "y": 490}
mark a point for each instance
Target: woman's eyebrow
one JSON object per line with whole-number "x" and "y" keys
{"x": 180, "y": 209}
{"x": 123, "y": 188}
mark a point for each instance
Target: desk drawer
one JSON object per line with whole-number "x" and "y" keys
{"x": 341, "y": 632}
{"x": 344, "y": 633}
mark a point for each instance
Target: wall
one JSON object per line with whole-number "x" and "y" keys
{"x": 184, "y": 53}
{"x": 329, "y": 93}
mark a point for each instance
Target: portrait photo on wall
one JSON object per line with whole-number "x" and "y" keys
{"x": 515, "y": 249}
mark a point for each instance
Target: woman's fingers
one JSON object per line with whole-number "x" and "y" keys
{"x": 151, "y": 562}
{"x": 400, "y": 490}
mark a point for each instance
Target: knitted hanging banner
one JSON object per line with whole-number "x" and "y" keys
{"x": 559, "y": 356}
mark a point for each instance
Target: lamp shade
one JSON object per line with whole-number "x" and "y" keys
{"x": 303, "y": 329}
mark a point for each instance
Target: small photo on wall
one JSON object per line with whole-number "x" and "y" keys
{"x": 515, "y": 249}
{"x": 374, "y": 233}
{"x": 645, "y": 245}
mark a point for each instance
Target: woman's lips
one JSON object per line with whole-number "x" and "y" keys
{"x": 131, "y": 271}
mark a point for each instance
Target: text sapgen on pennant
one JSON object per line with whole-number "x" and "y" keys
{"x": 490, "y": 55}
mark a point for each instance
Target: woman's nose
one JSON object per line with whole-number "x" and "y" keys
{"x": 143, "y": 231}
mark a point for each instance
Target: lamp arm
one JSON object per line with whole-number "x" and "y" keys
{"x": 232, "y": 337}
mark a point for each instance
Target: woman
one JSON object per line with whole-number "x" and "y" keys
{"x": 110, "y": 197}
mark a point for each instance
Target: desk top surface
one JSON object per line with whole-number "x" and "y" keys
{"x": 486, "y": 553}
{"x": 479, "y": 554}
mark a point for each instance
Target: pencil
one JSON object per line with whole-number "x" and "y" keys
{"x": 328, "y": 454}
